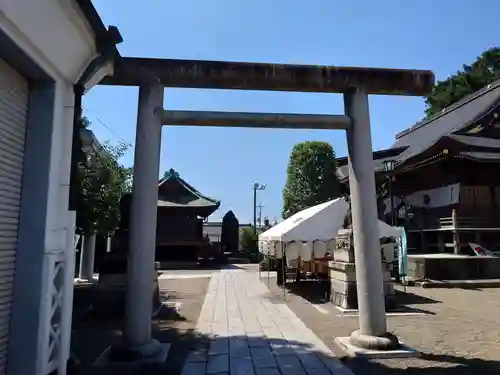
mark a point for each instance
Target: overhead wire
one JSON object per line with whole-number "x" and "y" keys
{"x": 110, "y": 129}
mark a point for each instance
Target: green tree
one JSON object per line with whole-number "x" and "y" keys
{"x": 311, "y": 177}
{"x": 103, "y": 181}
{"x": 483, "y": 71}
{"x": 249, "y": 243}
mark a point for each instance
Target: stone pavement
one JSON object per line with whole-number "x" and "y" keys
{"x": 252, "y": 335}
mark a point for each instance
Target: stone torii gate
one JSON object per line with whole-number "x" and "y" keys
{"x": 153, "y": 75}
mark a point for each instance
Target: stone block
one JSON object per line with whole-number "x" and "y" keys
{"x": 342, "y": 271}
{"x": 112, "y": 285}
{"x": 344, "y": 255}
{"x": 344, "y": 249}
{"x": 344, "y": 288}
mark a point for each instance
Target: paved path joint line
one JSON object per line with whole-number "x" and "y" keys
{"x": 250, "y": 335}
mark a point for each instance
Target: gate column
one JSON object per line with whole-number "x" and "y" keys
{"x": 372, "y": 320}
{"x": 137, "y": 340}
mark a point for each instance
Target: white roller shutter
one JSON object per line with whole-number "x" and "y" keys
{"x": 13, "y": 110}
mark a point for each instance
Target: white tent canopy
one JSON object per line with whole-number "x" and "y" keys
{"x": 320, "y": 222}
{"x": 309, "y": 233}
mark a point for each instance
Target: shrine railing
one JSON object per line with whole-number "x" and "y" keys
{"x": 451, "y": 222}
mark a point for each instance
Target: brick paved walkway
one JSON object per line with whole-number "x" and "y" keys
{"x": 252, "y": 335}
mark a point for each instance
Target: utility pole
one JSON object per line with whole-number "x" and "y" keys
{"x": 256, "y": 186}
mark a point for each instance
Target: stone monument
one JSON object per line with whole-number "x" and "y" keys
{"x": 342, "y": 273}
{"x": 112, "y": 285}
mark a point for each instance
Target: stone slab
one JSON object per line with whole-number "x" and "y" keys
{"x": 104, "y": 362}
{"x": 252, "y": 335}
{"x": 194, "y": 368}
{"x": 218, "y": 364}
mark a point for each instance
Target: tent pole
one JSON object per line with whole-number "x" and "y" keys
{"x": 283, "y": 268}
{"x": 263, "y": 255}
{"x": 268, "y": 283}
{"x": 268, "y": 270}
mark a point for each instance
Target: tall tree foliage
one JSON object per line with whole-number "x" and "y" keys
{"x": 483, "y": 71}
{"x": 311, "y": 177}
{"x": 249, "y": 243}
{"x": 103, "y": 181}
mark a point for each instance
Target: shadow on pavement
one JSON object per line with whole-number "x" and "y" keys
{"x": 317, "y": 293}
{"x": 409, "y": 298}
{"x": 241, "y": 354}
{"x": 436, "y": 365}
{"x": 92, "y": 336}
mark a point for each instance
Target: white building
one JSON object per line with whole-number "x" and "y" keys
{"x": 50, "y": 51}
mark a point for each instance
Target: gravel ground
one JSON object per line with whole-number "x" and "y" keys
{"x": 91, "y": 336}
{"x": 458, "y": 333}
{"x": 182, "y": 332}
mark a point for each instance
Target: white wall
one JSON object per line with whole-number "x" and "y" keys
{"x": 53, "y": 32}
{"x": 60, "y": 159}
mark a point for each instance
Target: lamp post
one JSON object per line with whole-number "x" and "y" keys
{"x": 389, "y": 166}
{"x": 256, "y": 186}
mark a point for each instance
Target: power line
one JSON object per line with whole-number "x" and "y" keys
{"x": 110, "y": 130}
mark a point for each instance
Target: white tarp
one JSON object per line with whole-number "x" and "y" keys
{"x": 320, "y": 222}
{"x": 439, "y": 197}
{"x": 312, "y": 232}
{"x": 385, "y": 230}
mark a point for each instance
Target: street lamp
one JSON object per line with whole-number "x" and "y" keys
{"x": 256, "y": 186}
{"x": 389, "y": 166}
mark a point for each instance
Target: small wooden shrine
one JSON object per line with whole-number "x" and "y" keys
{"x": 182, "y": 209}
{"x": 441, "y": 173}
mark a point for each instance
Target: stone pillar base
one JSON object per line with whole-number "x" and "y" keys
{"x": 122, "y": 356}
{"x": 388, "y": 341}
{"x": 367, "y": 346}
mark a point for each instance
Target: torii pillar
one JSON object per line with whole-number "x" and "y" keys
{"x": 138, "y": 344}
{"x": 372, "y": 333}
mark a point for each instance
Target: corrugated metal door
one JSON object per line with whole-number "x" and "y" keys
{"x": 13, "y": 110}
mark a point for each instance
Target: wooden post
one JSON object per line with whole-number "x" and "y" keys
{"x": 456, "y": 239}
{"x": 478, "y": 237}
{"x": 493, "y": 202}
{"x": 441, "y": 246}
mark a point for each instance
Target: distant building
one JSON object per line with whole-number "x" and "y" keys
{"x": 90, "y": 144}
{"x": 181, "y": 212}
{"x": 213, "y": 229}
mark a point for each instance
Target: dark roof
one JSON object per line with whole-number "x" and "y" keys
{"x": 475, "y": 141}
{"x": 378, "y": 166}
{"x": 481, "y": 156}
{"x": 425, "y": 134}
{"x": 488, "y": 145}
{"x": 465, "y": 112}
{"x": 378, "y": 161}
{"x": 173, "y": 191}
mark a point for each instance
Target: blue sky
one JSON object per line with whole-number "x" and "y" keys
{"x": 224, "y": 163}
